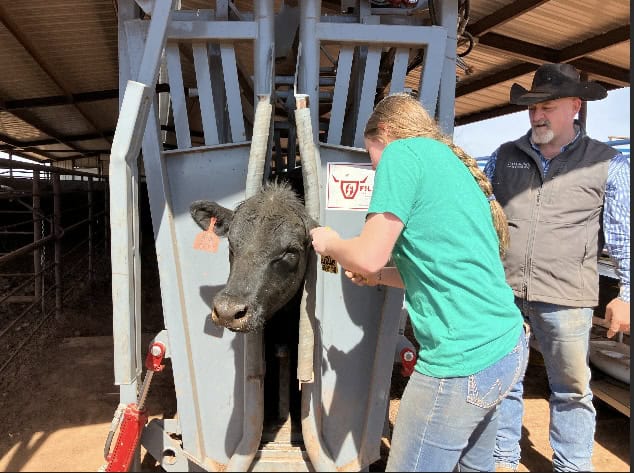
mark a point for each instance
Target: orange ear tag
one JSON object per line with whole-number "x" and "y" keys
{"x": 207, "y": 240}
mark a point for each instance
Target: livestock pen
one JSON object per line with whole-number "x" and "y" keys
{"x": 54, "y": 239}
{"x": 203, "y": 88}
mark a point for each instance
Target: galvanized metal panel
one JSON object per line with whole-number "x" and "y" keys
{"x": 210, "y": 400}
{"x": 432, "y": 71}
{"x": 340, "y": 94}
{"x": 368, "y": 91}
{"x": 177, "y": 94}
{"x": 354, "y": 322}
{"x": 399, "y": 70}
{"x": 232, "y": 87}
{"x": 205, "y": 92}
{"x": 195, "y": 340}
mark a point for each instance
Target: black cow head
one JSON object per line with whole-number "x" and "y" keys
{"x": 269, "y": 244}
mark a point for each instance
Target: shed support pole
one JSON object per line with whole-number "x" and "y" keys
{"x": 37, "y": 236}
{"x": 308, "y": 69}
{"x": 448, "y": 12}
{"x": 91, "y": 271}
{"x": 57, "y": 231}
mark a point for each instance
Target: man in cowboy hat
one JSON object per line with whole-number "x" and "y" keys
{"x": 565, "y": 195}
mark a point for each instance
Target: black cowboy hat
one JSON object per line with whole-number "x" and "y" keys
{"x": 556, "y": 81}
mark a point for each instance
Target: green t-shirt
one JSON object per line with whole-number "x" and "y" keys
{"x": 461, "y": 308}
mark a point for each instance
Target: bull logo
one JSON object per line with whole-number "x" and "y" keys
{"x": 349, "y": 189}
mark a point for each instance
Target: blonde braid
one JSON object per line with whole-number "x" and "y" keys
{"x": 499, "y": 217}
{"x": 401, "y": 116}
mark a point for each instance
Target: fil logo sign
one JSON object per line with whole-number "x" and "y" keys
{"x": 349, "y": 189}
{"x": 349, "y": 186}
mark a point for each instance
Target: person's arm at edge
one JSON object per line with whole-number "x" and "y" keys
{"x": 616, "y": 227}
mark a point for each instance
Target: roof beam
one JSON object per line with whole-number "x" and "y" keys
{"x": 503, "y": 15}
{"x": 16, "y": 144}
{"x": 7, "y": 163}
{"x": 14, "y": 30}
{"x": 56, "y": 100}
{"x": 532, "y": 52}
{"x": 33, "y": 149}
{"x": 596, "y": 43}
{"x": 613, "y": 75}
{"x": 489, "y": 113}
{"x": 28, "y": 118}
{"x": 519, "y": 49}
{"x": 33, "y": 158}
{"x": 536, "y": 54}
{"x": 19, "y": 148}
{"x": 65, "y": 138}
{"x": 495, "y": 78}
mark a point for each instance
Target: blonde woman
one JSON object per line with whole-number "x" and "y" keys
{"x": 433, "y": 212}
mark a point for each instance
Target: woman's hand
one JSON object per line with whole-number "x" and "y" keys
{"x": 322, "y": 239}
{"x": 361, "y": 280}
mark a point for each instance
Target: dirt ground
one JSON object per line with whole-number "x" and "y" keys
{"x": 58, "y": 400}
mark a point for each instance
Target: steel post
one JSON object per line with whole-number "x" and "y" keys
{"x": 57, "y": 232}
{"x": 37, "y": 235}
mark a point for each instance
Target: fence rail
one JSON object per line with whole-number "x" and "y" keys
{"x": 45, "y": 259}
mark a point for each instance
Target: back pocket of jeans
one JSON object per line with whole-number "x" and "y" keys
{"x": 489, "y": 386}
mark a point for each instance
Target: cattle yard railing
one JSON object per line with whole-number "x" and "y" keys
{"x": 54, "y": 233}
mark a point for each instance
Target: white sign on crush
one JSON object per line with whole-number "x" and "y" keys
{"x": 349, "y": 186}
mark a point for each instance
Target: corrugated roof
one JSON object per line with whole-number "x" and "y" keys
{"x": 59, "y": 86}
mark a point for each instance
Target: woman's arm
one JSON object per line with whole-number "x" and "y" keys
{"x": 364, "y": 254}
{"x": 387, "y": 276}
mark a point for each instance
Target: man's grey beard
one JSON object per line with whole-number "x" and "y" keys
{"x": 542, "y": 137}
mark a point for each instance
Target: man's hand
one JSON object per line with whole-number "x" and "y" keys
{"x": 617, "y": 317}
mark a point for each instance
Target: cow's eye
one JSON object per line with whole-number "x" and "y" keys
{"x": 289, "y": 257}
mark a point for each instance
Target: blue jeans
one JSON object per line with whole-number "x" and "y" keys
{"x": 444, "y": 423}
{"x": 562, "y": 335}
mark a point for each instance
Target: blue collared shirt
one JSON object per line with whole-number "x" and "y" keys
{"x": 616, "y": 210}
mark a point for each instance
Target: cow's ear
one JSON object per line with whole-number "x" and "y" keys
{"x": 202, "y": 211}
{"x": 311, "y": 223}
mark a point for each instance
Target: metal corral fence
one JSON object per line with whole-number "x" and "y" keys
{"x": 54, "y": 232}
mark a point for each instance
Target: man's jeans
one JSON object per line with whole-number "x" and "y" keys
{"x": 562, "y": 335}
{"x": 447, "y": 422}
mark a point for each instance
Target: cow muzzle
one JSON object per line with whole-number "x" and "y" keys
{"x": 231, "y": 314}
{"x": 235, "y": 325}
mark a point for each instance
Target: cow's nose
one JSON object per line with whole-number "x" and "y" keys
{"x": 229, "y": 309}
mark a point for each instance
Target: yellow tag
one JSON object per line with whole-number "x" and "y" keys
{"x": 329, "y": 265}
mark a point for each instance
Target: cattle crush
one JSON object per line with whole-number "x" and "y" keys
{"x": 255, "y": 94}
